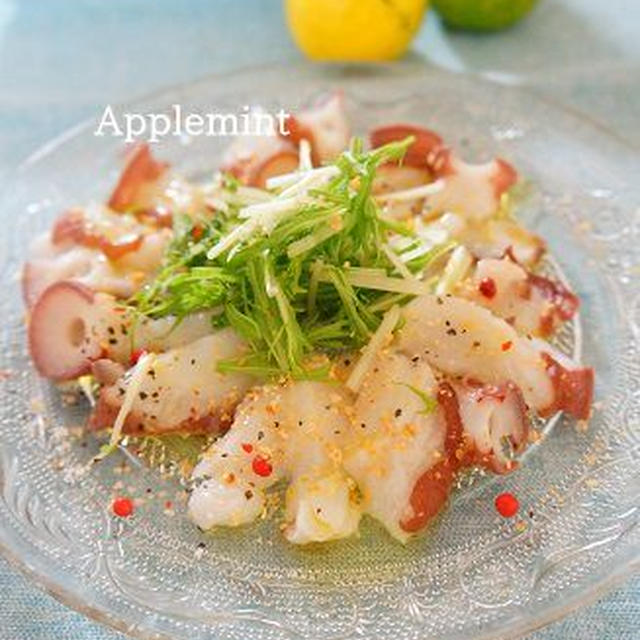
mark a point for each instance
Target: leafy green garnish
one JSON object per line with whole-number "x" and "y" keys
{"x": 105, "y": 451}
{"x": 281, "y": 272}
{"x": 429, "y": 402}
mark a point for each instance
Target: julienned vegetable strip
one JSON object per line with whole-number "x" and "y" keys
{"x": 377, "y": 341}
{"x": 455, "y": 270}
{"x": 400, "y": 266}
{"x": 307, "y": 243}
{"x": 407, "y": 195}
{"x": 138, "y": 372}
{"x": 287, "y": 179}
{"x": 305, "y": 163}
{"x": 382, "y": 283}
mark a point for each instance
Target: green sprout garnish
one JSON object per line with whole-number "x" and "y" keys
{"x": 304, "y": 273}
{"x": 429, "y": 402}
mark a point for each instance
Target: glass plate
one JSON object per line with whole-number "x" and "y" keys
{"x": 473, "y": 574}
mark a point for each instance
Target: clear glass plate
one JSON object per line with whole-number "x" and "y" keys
{"x": 473, "y": 574}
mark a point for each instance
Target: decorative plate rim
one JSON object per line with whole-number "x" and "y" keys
{"x": 102, "y": 616}
{"x": 589, "y": 594}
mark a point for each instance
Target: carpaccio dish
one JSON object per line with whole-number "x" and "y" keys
{"x": 361, "y": 321}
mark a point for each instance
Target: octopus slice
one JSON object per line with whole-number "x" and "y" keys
{"x": 324, "y": 125}
{"x": 533, "y": 304}
{"x": 139, "y": 177}
{"x": 108, "y": 252}
{"x": 495, "y": 423}
{"x": 426, "y": 141}
{"x": 471, "y": 190}
{"x": 397, "y": 438}
{"x": 464, "y": 339}
{"x": 182, "y": 390}
{"x": 294, "y": 432}
{"x": 71, "y": 326}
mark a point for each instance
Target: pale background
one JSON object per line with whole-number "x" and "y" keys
{"x": 63, "y": 60}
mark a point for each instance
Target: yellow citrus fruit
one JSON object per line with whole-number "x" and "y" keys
{"x": 354, "y": 30}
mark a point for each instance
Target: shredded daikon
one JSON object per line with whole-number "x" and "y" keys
{"x": 303, "y": 185}
{"x": 269, "y": 208}
{"x": 383, "y": 283}
{"x": 304, "y": 154}
{"x": 263, "y": 216}
{"x": 396, "y": 261}
{"x": 251, "y": 194}
{"x": 138, "y": 372}
{"x": 287, "y": 179}
{"x": 455, "y": 270}
{"x": 312, "y": 240}
{"x": 378, "y": 340}
{"x": 415, "y": 193}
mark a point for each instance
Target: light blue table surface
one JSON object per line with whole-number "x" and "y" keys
{"x": 63, "y": 60}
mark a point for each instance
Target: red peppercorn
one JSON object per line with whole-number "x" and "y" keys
{"x": 507, "y": 505}
{"x": 196, "y": 232}
{"x": 487, "y": 287}
{"x": 122, "y": 507}
{"x": 261, "y": 466}
{"x": 246, "y": 446}
{"x": 136, "y": 354}
{"x": 506, "y": 345}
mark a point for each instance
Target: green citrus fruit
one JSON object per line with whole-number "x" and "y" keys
{"x": 482, "y": 15}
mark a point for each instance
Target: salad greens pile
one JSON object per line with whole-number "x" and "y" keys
{"x": 308, "y": 266}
